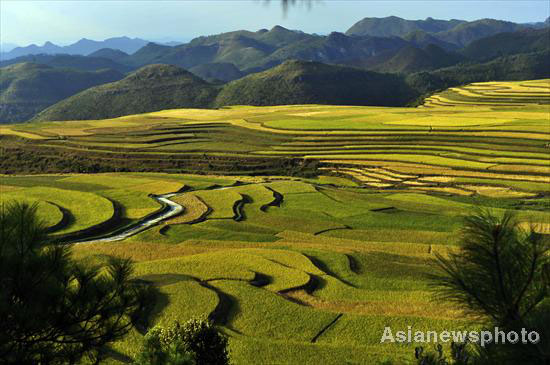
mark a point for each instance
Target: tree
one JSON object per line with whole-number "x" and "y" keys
{"x": 196, "y": 341}
{"x": 501, "y": 276}
{"x": 54, "y": 310}
{"x": 164, "y": 347}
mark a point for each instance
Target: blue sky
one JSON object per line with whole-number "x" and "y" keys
{"x": 62, "y": 22}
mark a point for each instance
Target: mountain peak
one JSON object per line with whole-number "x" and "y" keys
{"x": 157, "y": 71}
{"x": 278, "y": 28}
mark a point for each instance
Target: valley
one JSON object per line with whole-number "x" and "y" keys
{"x": 305, "y": 229}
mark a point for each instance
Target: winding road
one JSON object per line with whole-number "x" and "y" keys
{"x": 171, "y": 209}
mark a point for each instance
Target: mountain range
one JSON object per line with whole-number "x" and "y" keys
{"x": 455, "y": 32}
{"x": 158, "y": 87}
{"x": 423, "y": 56}
{"x": 82, "y": 47}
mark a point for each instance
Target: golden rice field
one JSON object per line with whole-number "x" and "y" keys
{"x": 299, "y": 269}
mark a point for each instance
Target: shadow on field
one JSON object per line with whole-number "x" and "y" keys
{"x": 159, "y": 300}
{"x": 324, "y": 268}
{"x": 67, "y": 219}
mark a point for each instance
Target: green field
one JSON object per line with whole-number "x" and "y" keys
{"x": 310, "y": 268}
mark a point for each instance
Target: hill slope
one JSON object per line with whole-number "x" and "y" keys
{"x": 412, "y": 59}
{"x": 111, "y": 54}
{"x": 27, "y": 88}
{"x": 525, "y": 66}
{"x": 151, "y": 88}
{"x": 502, "y": 44}
{"x": 82, "y": 63}
{"x": 214, "y": 72}
{"x": 300, "y": 82}
{"x": 465, "y": 33}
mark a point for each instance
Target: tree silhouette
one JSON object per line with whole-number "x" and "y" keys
{"x": 53, "y": 310}
{"x": 501, "y": 276}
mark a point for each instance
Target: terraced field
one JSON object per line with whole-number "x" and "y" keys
{"x": 493, "y": 133}
{"x": 303, "y": 269}
{"x": 309, "y": 268}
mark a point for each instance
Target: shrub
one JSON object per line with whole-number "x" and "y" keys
{"x": 196, "y": 341}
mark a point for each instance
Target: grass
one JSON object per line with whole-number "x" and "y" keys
{"x": 220, "y": 203}
{"x": 86, "y": 209}
{"x": 49, "y": 213}
{"x": 194, "y": 209}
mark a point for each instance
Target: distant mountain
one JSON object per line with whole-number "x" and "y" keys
{"x": 422, "y": 39}
{"x": 457, "y": 32}
{"x": 151, "y": 88}
{"x": 76, "y": 62}
{"x": 395, "y": 26}
{"x": 336, "y": 48}
{"x": 300, "y": 82}
{"x": 261, "y": 50}
{"x": 365, "y": 42}
{"x": 241, "y": 48}
{"x": 217, "y": 72}
{"x": 525, "y": 66}
{"x": 82, "y": 47}
{"x": 538, "y": 25}
{"x": 27, "y": 88}
{"x": 6, "y": 47}
{"x": 47, "y": 48}
{"x": 465, "y": 33}
{"x": 171, "y": 43}
{"x": 111, "y": 54}
{"x": 524, "y": 41}
{"x": 413, "y": 59}
{"x": 149, "y": 54}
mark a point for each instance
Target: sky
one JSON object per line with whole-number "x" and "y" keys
{"x": 63, "y": 22}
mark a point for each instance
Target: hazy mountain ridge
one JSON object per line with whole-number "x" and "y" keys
{"x": 82, "y": 47}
